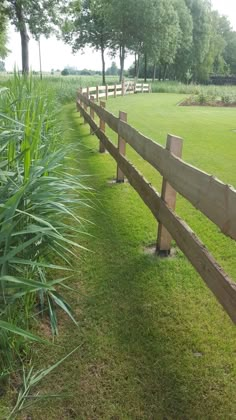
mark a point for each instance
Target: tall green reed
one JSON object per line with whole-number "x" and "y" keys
{"x": 39, "y": 229}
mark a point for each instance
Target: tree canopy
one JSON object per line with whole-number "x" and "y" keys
{"x": 34, "y": 16}
{"x": 3, "y": 35}
{"x": 180, "y": 39}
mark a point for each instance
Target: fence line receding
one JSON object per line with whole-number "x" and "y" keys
{"x": 212, "y": 197}
{"x": 124, "y": 88}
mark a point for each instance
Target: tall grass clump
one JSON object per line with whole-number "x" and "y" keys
{"x": 38, "y": 226}
{"x": 206, "y": 91}
{"x": 65, "y": 87}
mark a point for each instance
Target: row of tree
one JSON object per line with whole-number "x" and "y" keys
{"x": 181, "y": 39}
{"x": 72, "y": 71}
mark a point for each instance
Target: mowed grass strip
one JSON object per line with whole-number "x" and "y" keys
{"x": 155, "y": 343}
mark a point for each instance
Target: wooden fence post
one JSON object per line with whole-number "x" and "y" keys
{"x": 106, "y": 92}
{"x": 97, "y": 93}
{"x": 85, "y": 108}
{"x": 121, "y": 147}
{"x": 142, "y": 88}
{"x": 174, "y": 145}
{"x": 77, "y": 102}
{"x": 91, "y": 113}
{"x": 102, "y": 126}
{"x": 80, "y": 102}
{"x": 114, "y": 91}
{"x": 87, "y": 91}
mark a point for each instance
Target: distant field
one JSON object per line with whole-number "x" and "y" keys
{"x": 66, "y": 86}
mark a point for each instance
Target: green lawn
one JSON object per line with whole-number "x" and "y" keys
{"x": 155, "y": 344}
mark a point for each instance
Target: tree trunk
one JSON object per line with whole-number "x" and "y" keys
{"x": 154, "y": 72}
{"x": 135, "y": 65}
{"x": 24, "y": 38}
{"x": 103, "y": 66}
{"x": 122, "y": 62}
{"x": 138, "y": 67}
{"x": 145, "y": 67}
{"x": 165, "y": 71}
{"x": 24, "y": 51}
{"x": 40, "y": 61}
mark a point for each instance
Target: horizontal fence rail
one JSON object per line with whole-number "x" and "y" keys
{"x": 209, "y": 195}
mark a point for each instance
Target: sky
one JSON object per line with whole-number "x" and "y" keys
{"x": 57, "y": 55}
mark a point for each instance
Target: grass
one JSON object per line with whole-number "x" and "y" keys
{"x": 154, "y": 341}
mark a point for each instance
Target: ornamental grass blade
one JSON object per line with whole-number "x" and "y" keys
{"x": 19, "y": 331}
{"x": 31, "y": 380}
{"x": 58, "y": 299}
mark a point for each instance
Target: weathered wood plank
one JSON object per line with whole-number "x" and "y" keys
{"x": 108, "y": 117}
{"x": 215, "y": 278}
{"x": 209, "y": 195}
{"x": 102, "y": 127}
{"x": 168, "y": 194}
{"x": 92, "y": 89}
{"x": 122, "y": 149}
{"x": 92, "y": 98}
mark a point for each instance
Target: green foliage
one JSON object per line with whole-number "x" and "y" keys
{"x": 176, "y": 36}
{"x": 38, "y": 226}
{"x": 39, "y": 17}
{"x": 30, "y": 380}
{"x": 88, "y": 24}
{"x": 2, "y": 66}
{"x": 113, "y": 70}
{"x": 3, "y": 36}
{"x": 65, "y": 72}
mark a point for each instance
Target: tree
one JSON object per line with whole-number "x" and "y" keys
{"x": 161, "y": 36}
{"x": 88, "y": 24}
{"x": 169, "y": 39}
{"x": 37, "y": 16}
{"x": 2, "y": 66}
{"x": 229, "y": 53}
{"x": 113, "y": 70}
{"x": 65, "y": 72}
{"x": 3, "y": 35}
{"x": 182, "y": 62}
{"x": 124, "y": 32}
{"x": 201, "y": 15}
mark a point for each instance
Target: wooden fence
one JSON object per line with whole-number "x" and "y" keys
{"x": 125, "y": 88}
{"x": 212, "y": 197}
